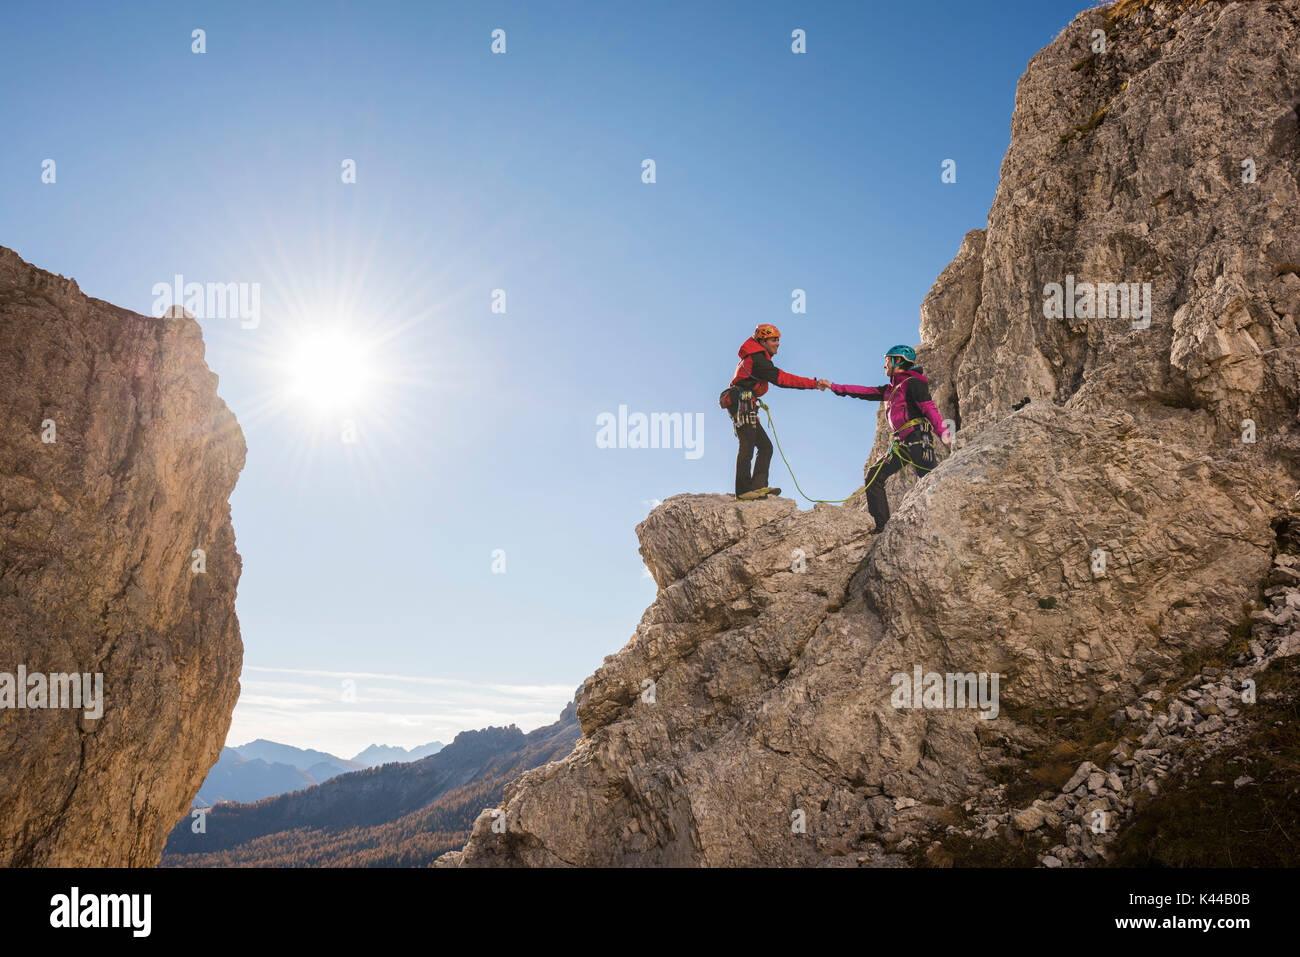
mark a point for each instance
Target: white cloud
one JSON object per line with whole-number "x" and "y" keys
{"x": 386, "y": 708}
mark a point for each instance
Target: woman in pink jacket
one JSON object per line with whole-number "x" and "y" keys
{"x": 913, "y": 419}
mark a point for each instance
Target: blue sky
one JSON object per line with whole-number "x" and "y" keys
{"x": 372, "y": 561}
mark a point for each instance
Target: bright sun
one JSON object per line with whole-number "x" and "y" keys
{"x": 328, "y": 372}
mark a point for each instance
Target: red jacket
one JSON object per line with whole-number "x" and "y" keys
{"x": 756, "y": 370}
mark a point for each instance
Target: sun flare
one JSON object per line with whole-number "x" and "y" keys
{"x": 329, "y": 372}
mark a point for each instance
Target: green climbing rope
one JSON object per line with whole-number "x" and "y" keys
{"x": 895, "y": 448}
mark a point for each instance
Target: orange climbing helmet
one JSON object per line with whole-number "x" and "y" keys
{"x": 765, "y": 330}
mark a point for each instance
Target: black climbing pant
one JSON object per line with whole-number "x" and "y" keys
{"x": 751, "y": 438}
{"x": 923, "y": 460}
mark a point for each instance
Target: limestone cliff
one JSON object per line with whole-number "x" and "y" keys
{"x": 749, "y": 720}
{"x": 117, "y": 459}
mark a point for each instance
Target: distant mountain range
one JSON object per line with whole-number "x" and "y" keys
{"x": 378, "y": 754}
{"x": 262, "y": 769}
{"x": 395, "y": 815}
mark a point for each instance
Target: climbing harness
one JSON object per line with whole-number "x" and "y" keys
{"x": 895, "y": 448}
{"x": 926, "y": 442}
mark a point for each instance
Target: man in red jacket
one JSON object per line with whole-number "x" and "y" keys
{"x": 751, "y": 380}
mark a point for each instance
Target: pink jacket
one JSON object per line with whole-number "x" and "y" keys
{"x": 904, "y": 385}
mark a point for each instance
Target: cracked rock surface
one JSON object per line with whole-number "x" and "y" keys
{"x": 97, "y": 533}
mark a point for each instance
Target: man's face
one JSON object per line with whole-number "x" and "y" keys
{"x": 771, "y": 345}
{"x": 889, "y": 365}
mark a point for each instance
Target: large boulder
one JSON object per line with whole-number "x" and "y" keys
{"x": 117, "y": 459}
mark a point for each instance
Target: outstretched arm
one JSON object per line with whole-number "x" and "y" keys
{"x": 875, "y": 392}
{"x": 762, "y": 368}
{"x": 920, "y": 394}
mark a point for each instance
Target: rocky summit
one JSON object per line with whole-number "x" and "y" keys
{"x": 1100, "y": 548}
{"x": 117, "y": 566}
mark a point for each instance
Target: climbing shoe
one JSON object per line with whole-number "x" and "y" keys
{"x": 755, "y": 494}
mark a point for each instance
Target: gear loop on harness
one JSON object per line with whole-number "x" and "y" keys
{"x": 746, "y": 410}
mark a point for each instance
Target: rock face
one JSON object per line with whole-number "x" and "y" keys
{"x": 117, "y": 459}
{"x": 1081, "y": 548}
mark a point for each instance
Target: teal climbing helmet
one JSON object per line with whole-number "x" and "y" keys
{"x": 903, "y": 352}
